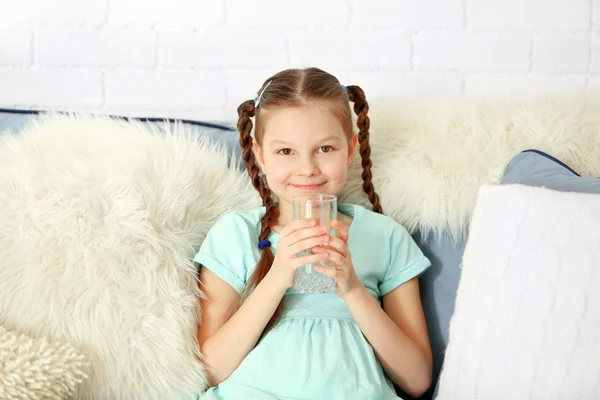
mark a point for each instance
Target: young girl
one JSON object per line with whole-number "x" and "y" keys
{"x": 260, "y": 339}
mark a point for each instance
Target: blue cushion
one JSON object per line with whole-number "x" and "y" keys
{"x": 438, "y": 286}
{"x": 536, "y": 168}
{"x": 14, "y": 120}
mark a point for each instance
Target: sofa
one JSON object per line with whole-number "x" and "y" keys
{"x": 100, "y": 217}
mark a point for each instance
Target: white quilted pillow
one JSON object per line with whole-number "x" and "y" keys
{"x": 32, "y": 369}
{"x": 527, "y": 319}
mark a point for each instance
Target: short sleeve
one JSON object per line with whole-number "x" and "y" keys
{"x": 406, "y": 260}
{"x": 225, "y": 250}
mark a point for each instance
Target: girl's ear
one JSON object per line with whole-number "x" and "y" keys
{"x": 352, "y": 147}
{"x": 258, "y": 154}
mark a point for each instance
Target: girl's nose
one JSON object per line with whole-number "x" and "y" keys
{"x": 308, "y": 167}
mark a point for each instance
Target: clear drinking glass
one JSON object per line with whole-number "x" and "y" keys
{"x": 323, "y": 208}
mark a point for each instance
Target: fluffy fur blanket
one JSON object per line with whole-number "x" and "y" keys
{"x": 98, "y": 221}
{"x": 430, "y": 157}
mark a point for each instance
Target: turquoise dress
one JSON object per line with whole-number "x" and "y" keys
{"x": 316, "y": 350}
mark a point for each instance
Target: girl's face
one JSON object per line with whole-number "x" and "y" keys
{"x": 304, "y": 150}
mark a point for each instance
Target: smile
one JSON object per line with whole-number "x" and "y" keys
{"x": 308, "y": 187}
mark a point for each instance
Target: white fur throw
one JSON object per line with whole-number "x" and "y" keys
{"x": 527, "y": 317}
{"x": 99, "y": 220}
{"x": 430, "y": 157}
{"x": 32, "y": 369}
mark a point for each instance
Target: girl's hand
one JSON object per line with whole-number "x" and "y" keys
{"x": 340, "y": 261}
{"x": 297, "y": 236}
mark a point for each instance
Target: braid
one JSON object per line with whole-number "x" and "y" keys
{"x": 245, "y": 111}
{"x": 361, "y": 108}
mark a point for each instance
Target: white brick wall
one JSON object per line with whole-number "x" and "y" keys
{"x": 95, "y": 47}
{"x": 54, "y": 12}
{"x": 221, "y": 48}
{"x": 596, "y": 17}
{"x": 201, "y": 58}
{"x": 529, "y": 15}
{"x": 408, "y": 14}
{"x": 287, "y": 15}
{"x": 362, "y": 50}
{"x": 595, "y": 66}
{"x": 472, "y": 52}
{"x": 164, "y": 13}
{"x": 561, "y": 53}
{"x": 16, "y": 46}
{"x": 483, "y": 83}
{"x": 40, "y": 87}
{"x": 164, "y": 89}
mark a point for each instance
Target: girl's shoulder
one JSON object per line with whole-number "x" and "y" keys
{"x": 230, "y": 247}
{"x": 373, "y": 221}
{"x": 240, "y": 222}
{"x": 361, "y": 213}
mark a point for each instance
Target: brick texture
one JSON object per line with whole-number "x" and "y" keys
{"x": 202, "y": 58}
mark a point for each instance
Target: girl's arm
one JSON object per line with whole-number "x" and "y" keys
{"x": 227, "y": 334}
{"x": 398, "y": 335}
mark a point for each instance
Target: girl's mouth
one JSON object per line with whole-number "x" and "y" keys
{"x": 308, "y": 187}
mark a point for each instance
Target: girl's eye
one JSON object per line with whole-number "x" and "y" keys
{"x": 285, "y": 152}
{"x": 325, "y": 149}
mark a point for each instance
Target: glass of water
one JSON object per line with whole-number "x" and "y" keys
{"x": 323, "y": 208}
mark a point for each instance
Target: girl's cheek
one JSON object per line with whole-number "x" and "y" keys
{"x": 281, "y": 173}
{"x": 283, "y": 168}
{"x": 340, "y": 169}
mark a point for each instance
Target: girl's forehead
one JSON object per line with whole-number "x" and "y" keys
{"x": 301, "y": 124}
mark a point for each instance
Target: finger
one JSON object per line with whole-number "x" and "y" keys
{"x": 297, "y": 224}
{"x": 310, "y": 259}
{"x": 338, "y": 244}
{"x": 332, "y": 273}
{"x": 308, "y": 243}
{"x": 342, "y": 231}
{"x": 332, "y": 254}
{"x": 305, "y": 233}
{"x": 334, "y": 259}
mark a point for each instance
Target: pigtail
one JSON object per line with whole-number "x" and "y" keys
{"x": 361, "y": 108}
{"x": 246, "y": 110}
